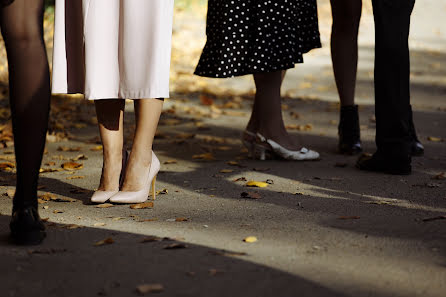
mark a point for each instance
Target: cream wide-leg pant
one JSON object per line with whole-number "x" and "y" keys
{"x": 108, "y": 49}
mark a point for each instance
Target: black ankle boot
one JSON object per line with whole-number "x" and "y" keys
{"x": 349, "y": 131}
{"x": 26, "y": 226}
{"x": 417, "y": 148}
{"x": 390, "y": 164}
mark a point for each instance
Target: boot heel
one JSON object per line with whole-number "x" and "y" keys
{"x": 154, "y": 188}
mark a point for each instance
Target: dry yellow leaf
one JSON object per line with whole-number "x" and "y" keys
{"x": 434, "y": 139}
{"x": 96, "y": 148}
{"x": 181, "y": 219}
{"x": 104, "y": 205}
{"x": 104, "y": 242}
{"x": 250, "y": 239}
{"x": 142, "y": 205}
{"x": 76, "y": 177}
{"x": 149, "y": 288}
{"x": 72, "y": 166}
{"x": 206, "y": 156}
{"x": 68, "y": 149}
{"x": 226, "y": 171}
{"x": 7, "y": 165}
{"x": 256, "y": 184}
{"x": 99, "y": 224}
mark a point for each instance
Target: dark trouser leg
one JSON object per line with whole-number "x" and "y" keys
{"x": 392, "y": 82}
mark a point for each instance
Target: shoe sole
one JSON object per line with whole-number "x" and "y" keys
{"x": 28, "y": 238}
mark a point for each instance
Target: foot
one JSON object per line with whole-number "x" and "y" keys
{"x": 417, "y": 148}
{"x": 111, "y": 173}
{"x": 281, "y": 137}
{"x": 349, "y": 131}
{"x": 26, "y": 226}
{"x": 385, "y": 164}
{"x": 137, "y": 171}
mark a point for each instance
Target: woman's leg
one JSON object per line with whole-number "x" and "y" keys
{"x": 148, "y": 112}
{"x": 267, "y": 109}
{"x": 344, "y": 47}
{"x": 110, "y": 113}
{"x": 344, "y": 52}
{"x": 253, "y": 123}
{"x": 22, "y": 30}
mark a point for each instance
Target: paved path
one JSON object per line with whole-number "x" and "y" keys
{"x": 323, "y": 228}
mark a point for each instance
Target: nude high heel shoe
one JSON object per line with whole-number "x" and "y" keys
{"x": 142, "y": 195}
{"x": 104, "y": 196}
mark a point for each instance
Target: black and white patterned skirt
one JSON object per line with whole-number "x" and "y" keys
{"x": 256, "y": 36}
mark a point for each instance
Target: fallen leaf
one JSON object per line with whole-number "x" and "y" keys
{"x": 118, "y": 218}
{"x": 104, "y": 205}
{"x": 175, "y": 246}
{"x": 214, "y": 272}
{"x": 256, "y": 184}
{"x": 206, "y": 100}
{"x": 250, "y": 195}
{"x": 76, "y": 177}
{"x": 250, "y": 239}
{"x": 96, "y": 148}
{"x": 170, "y": 162}
{"x": 151, "y": 239}
{"x": 162, "y": 192}
{"x": 106, "y": 241}
{"x": 349, "y": 218}
{"x": 99, "y": 224}
{"x": 142, "y": 205}
{"x": 52, "y": 163}
{"x": 57, "y": 211}
{"x": 440, "y": 176}
{"x": 80, "y": 157}
{"x": 205, "y": 156}
{"x": 434, "y": 139}
{"x": 62, "y": 199}
{"x": 148, "y": 220}
{"x": 6, "y": 165}
{"x": 72, "y": 166}
{"x": 226, "y": 171}
{"x": 149, "y": 288}
{"x": 68, "y": 149}
{"x": 181, "y": 219}
{"x": 49, "y": 170}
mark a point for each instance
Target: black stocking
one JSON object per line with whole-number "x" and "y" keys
{"x": 22, "y": 29}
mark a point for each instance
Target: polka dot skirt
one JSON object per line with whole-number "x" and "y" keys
{"x": 255, "y": 36}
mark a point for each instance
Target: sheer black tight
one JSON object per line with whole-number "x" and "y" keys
{"x": 22, "y": 29}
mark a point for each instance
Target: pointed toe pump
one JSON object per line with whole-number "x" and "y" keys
{"x": 103, "y": 196}
{"x": 142, "y": 195}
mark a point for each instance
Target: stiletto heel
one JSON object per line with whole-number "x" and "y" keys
{"x": 154, "y": 188}
{"x": 103, "y": 196}
{"x": 143, "y": 194}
